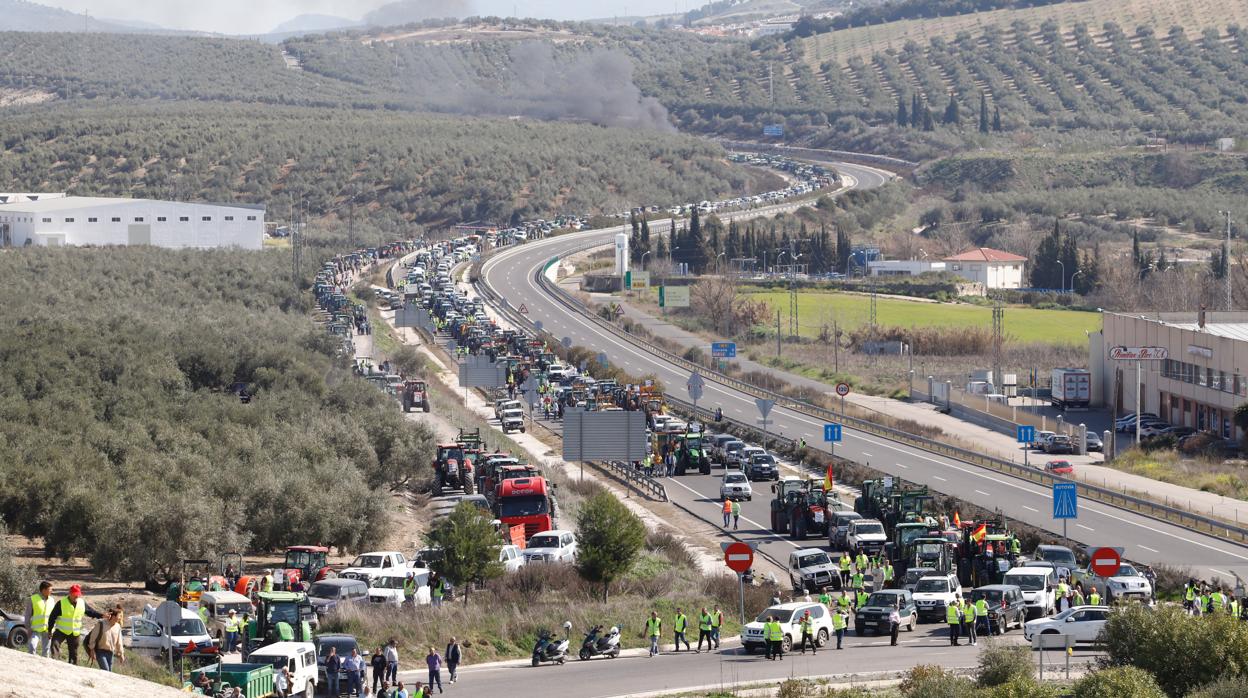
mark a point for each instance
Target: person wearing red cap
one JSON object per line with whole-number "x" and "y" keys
{"x": 66, "y": 622}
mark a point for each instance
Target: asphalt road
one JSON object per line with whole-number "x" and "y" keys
{"x": 510, "y": 274}
{"x": 600, "y": 678}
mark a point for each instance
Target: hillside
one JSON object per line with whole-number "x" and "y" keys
{"x": 20, "y": 15}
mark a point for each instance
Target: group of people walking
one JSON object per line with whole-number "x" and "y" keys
{"x": 56, "y": 623}
{"x": 709, "y": 625}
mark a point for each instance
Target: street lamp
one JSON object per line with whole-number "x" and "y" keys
{"x": 643, "y": 259}
{"x": 1072, "y": 279}
{"x": 721, "y": 254}
{"x": 1063, "y": 266}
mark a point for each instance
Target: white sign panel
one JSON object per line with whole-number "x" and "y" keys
{"x": 1139, "y": 353}
{"x": 640, "y": 280}
{"x": 676, "y": 297}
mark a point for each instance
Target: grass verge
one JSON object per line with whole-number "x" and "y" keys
{"x": 1206, "y": 474}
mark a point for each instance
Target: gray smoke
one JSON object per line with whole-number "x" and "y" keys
{"x": 595, "y": 86}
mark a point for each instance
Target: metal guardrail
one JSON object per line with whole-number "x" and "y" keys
{"x": 636, "y": 478}
{"x": 1146, "y": 507}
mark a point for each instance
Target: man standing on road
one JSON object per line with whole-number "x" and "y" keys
{"x": 775, "y": 638}
{"x": 981, "y": 615}
{"x": 845, "y": 563}
{"x": 654, "y": 627}
{"x": 954, "y": 619}
{"x": 840, "y": 620}
{"x": 38, "y": 610}
{"x": 806, "y": 622}
{"x": 437, "y": 589}
{"x": 409, "y": 590}
{"x": 704, "y": 631}
{"x": 717, "y": 622}
{"x": 888, "y": 574}
{"x": 355, "y": 672}
{"x": 434, "y": 661}
{"x": 66, "y": 622}
{"x": 727, "y": 512}
{"x": 333, "y": 665}
{"x": 231, "y": 631}
{"x": 454, "y": 653}
{"x": 894, "y": 621}
{"x": 736, "y": 515}
{"x": 392, "y": 661}
{"x": 378, "y": 664}
{"x": 968, "y": 620}
{"x": 681, "y": 623}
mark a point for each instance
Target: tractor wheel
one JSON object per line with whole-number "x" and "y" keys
{"x": 706, "y": 467}
{"x": 799, "y": 529}
{"x": 425, "y": 405}
{"x": 468, "y": 486}
{"x": 437, "y": 485}
{"x": 407, "y": 406}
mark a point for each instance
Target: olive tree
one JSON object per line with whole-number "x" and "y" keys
{"x": 610, "y": 538}
{"x": 469, "y": 546}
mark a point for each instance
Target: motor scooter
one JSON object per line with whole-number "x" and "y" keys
{"x": 551, "y": 649}
{"x": 598, "y": 645}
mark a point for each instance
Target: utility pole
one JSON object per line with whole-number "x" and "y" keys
{"x": 777, "y": 333}
{"x": 351, "y": 224}
{"x": 771, "y": 87}
{"x": 998, "y": 335}
{"x": 1226, "y": 261}
{"x": 872, "y": 318}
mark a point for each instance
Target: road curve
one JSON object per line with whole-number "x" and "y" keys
{"x": 511, "y": 273}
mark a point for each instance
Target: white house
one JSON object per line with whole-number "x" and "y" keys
{"x": 80, "y": 220}
{"x": 903, "y": 267}
{"x": 992, "y": 268}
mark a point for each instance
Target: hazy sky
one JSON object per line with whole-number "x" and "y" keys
{"x": 257, "y": 16}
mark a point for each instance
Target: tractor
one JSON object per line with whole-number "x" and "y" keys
{"x": 306, "y": 563}
{"x": 799, "y": 508}
{"x": 452, "y": 469}
{"x": 691, "y": 454}
{"x": 281, "y": 616}
{"x": 415, "y": 394}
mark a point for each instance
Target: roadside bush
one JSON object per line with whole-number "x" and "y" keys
{"x": 1183, "y": 652}
{"x": 17, "y": 582}
{"x": 1118, "y": 682}
{"x": 1020, "y": 687}
{"x": 931, "y": 681}
{"x": 1235, "y": 687}
{"x": 1001, "y": 664}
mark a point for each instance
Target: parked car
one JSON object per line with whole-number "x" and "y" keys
{"x": 1094, "y": 443}
{"x": 1042, "y": 437}
{"x": 218, "y": 604}
{"x": 328, "y": 594}
{"x": 736, "y": 486}
{"x": 838, "y": 528}
{"x": 874, "y": 615}
{"x": 789, "y": 616}
{"x": 1039, "y": 586}
{"x": 387, "y": 587}
{"x": 1127, "y": 422}
{"x": 933, "y": 593}
{"x": 551, "y": 546}
{"x": 1059, "y": 443}
{"x": 1151, "y": 429}
{"x": 1006, "y": 605}
{"x": 344, "y": 644}
{"x": 1084, "y": 623}
{"x": 811, "y": 570}
{"x": 1060, "y": 467}
{"x": 512, "y": 557}
{"x": 1128, "y": 584}
{"x": 13, "y": 630}
{"x": 1059, "y": 555}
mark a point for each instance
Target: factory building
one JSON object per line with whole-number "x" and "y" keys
{"x": 80, "y": 220}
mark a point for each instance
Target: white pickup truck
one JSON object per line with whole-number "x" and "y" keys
{"x": 867, "y": 536}
{"x": 366, "y": 566}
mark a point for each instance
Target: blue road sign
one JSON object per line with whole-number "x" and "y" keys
{"x": 773, "y": 130}
{"x": 1065, "y": 500}
{"x": 832, "y": 433}
{"x": 602, "y": 359}
{"x": 724, "y": 350}
{"x": 1026, "y": 434}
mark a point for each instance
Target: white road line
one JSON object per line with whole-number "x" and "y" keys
{"x": 868, "y": 455}
{"x": 1224, "y": 574}
{"x": 1085, "y": 527}
{"x": 940, "y": 478}
{"x": 745, "y": 519}
{"x": 1151, "y": 550}
{"x": 901, "y": 465}
{"x": 983, "y": 493}
{"x": 1031, "y": 509}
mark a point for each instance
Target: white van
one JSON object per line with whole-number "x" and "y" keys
{"x": 1039, "y": 586}
{"x": 298, "y": 657}
{"x": 218, "y": 604}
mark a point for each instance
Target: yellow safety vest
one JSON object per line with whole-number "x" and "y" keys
{"x": 231, "y": 625}
{"x": 1190, "y": 594}
{"x": 40, "y": 609}
{"x": 717, "y": 619}
{"x": 838, "y": 621}
{"x": 438, "y": 589}
{"x": 704, "y": 621}
{"x": 805, "y": 621}
{"x": 845, "y": 563}
{"x": 267, "y": 584}
{"x": 888, "y": 573}
{"x": 681, "y": 622}
{"x": 409, "y": 588}
{"x": 951, "y": 615}
{"x": 862, "y": 599}
{"x": 981, "y": 609}
{"x": 775, "y": 633}
{"x": 70, "y": 620}
{"x": 1095, "y": 599}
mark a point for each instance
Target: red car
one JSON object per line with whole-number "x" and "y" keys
{"x": 1061, "y": 467}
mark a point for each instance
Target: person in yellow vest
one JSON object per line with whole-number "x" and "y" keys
{"x": 1094, "y": 598}
{"x": 409, "y": 590}
{"x": 717, "y": 622}
{"x": 266, "y": 584}
{"x": 736, "y": 515}
{"x": 774, "y": 633}
{"x": 968, "y": 620}
{"x": 861, "y": 562}
{"x": 1189, "y": 596}
{"x": 857, "y": 580}
{"x": 437, "y": 589}
{"x": 862, "y": 598}
{"x": 807, "y": 624}
{"x": 654, "y": 628}
{"x": 679, "y": 626}
{"x": 231, "y": 630}
{"x": 953, "y": 617}
{"x": 704, "y": 631}
{"x": 840, "y": 620}
{"x": 981, "y": 615}
{"x": 66, "y": 622}
{"x": 845, "y": 565}
{"x": 1217, "y": 601}
{"x": 843, "y": 603}
{"x": 38, "y": 609}
{"x": 825, "y": 599}
{"x": 888, "y": 575}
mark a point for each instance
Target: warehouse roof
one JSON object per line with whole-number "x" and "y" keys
{"x": 985, "y": 254}
{"x": 73, "y": 203}
{"x": 1231, "y": 325}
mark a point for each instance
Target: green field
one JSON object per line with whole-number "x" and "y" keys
{"x": 814, "y": 308}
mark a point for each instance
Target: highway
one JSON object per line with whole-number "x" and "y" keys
{"x": 510, "y": 273}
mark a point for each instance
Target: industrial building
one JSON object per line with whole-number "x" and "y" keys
{"x": 992, "y": 268}
{"x": 79, "y": 220}
{"x": 1203, "y": 378}
{"x": 903, "y": 267}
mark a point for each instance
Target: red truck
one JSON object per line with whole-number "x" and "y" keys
{"x": 526, "y": 502}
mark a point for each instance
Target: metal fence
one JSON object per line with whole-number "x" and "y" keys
{"x": 636, "y": 478}
{"x": 1146, "y": 507}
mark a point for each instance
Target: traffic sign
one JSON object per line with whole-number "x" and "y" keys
{"x": 538, "y": 325}
{"x": 842, "y": 389}
{"x": 524, "y": 309}
{"x": 724, "y": 350}
{"x": 1026, "y": 434}
{"x": 602, "y": 359}
{"x": 764, "y": 406}
{"x": 1065, "y": 500}
{"x": 1105, "y": 562}
{"x": 566, "y": 342}
{"x": 832, "y": 433}
{"x": 739, "y": 557}
{"x": 695, "y": 385}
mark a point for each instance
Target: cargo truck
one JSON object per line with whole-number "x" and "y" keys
{"x": 1072, "y": 388}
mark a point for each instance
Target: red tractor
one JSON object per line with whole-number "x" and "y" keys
{"x": 415, "y": 394}
{"x": 306, "y": 563}
{"x": 452, "y": 469}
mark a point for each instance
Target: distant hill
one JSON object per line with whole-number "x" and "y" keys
{"x": 19, "y": 15}
{"x": 313, "y": 23}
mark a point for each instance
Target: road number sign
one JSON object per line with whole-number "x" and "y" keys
{"x": 1105, "y": 562}
{"x": 842, "y": 389}
{"x": 832, "y": 433}
{"x": 724, "y": 350}
{"x": 739, "y": 557}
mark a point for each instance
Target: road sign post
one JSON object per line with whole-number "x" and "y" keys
{"x": 764, "y": 408}
{"x": 832, "y": 435}
{"x": 1026, "y": 435}
{"x": 740, "y": 558}
{"x": 695, "y": 384}
{"x": 724, "y": 350}
{"x": 842, "y": 389}
{"x": 1065, "y": 504}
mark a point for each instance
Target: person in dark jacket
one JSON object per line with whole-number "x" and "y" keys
{"x": 453, "y": 654}
{"x": 69, "y": 631}
{"x": 378, "y": 664}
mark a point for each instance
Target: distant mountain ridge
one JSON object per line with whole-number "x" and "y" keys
{"x": 313, "y": 23}
{"x": 20, "y": 15}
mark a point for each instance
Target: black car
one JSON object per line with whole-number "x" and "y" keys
{"x": 1006, "y": 606}
{"x": 762, "y": 466}
{"x": 328, "y": 594}
{"x": 874, "y": 615}
{"x": 344, "y": 644}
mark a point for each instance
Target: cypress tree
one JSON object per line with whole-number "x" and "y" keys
{"x": 929, "y": 123}
{"x": 914, "y": 111}
{"x": 983, "y": 113}
{"x": 952, "y": 117}
{"x": 903, "y": 117}
{"x": 996, "y": 119}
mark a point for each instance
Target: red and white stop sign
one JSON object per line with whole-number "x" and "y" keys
{"x": 1105, "y": 562}
{"x": 739, "y": 557}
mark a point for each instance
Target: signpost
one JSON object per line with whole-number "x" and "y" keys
{"x": 764, "y": 408}
{"x": 694, "y": 385}
{"x": 1065, "y": 504}
{"x": 566, "y": 342}
{"x": 842, "y": 389}
{"x": 740, "y": 559}
{"x": 832, "y": 435}
{"x": 637, "y": 280}
{"x": 1026, "y": 435}
{"x": 724, "y": 350}
{"x": 673, "y": 296}
{"x": 1104, "y": 562}
{"x": 602, "y": 359}
{"x": 524, "y": 309}
{"x": 1138, "y": 355}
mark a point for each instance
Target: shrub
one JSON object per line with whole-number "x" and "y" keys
{"x": 1234, "y": 687}
{"x": 1020, "y": 687}
{"x": 931, "y": 681}
{"x": 1183, "y": 652}
{"x": 17, "y": 582}
{"x": 1000, "y": 664}
{"x": 1118, "y": 682}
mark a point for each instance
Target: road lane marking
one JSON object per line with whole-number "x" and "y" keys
{"x": 1151, "y": 550}
{"x": 1224, "y": 574}
{"x": 1031, "y": 509}
{"x": 940, "y": 478}
{"x": 983, "y": 493}
{"x": 1085, "y": 527}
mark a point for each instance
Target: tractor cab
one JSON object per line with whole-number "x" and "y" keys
{"x": 281, "y": 616}
{"x": 306, "y": 563}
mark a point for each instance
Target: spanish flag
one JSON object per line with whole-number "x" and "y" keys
{"x": 957, "y": 520}
{"x": 980, "y": 533}
{"x": 827, "y": 480}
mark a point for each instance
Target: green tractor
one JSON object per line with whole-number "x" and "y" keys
{"x": 691, "y": 454}
{"x": 281, "y": 616}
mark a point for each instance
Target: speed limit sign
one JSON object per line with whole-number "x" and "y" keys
{"x": 842, "y": 389}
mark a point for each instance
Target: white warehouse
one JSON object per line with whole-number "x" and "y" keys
{"x": 80, "y": 220}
